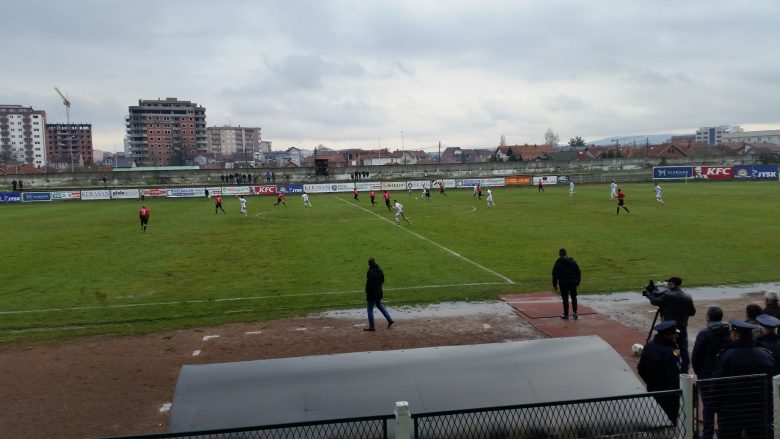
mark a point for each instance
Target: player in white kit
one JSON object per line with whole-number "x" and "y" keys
{"x": 489, "y": 199}
{"x": 612, "y": 190}
{"x": 659, "y": 195}
{"x": 243, "y": 204}
{"x": 571, "y": 188}
{"x": 399, "y": 213}
{"x": 306, "y": 202}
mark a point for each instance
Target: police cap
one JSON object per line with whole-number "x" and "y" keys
{"x": 740, "y": 325}
{"x": 666, "y": 326}
{"x": 768, "y": 321}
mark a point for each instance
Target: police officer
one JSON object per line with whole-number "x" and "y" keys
{"x": 710, "y": 341}
{"x": 768, "y": 339}
{"x": 742, "y": 357}
{"x": 660, "y": 366}
{"x": 675, "y": 304}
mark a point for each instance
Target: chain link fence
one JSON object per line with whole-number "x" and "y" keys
{"x": 632, "y": 416}
{"x": 734, "y": 407}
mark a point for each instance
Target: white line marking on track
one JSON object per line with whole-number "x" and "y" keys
{"x": 253, "y": 332}
{"x": 208, "y": 337}
{"x": 196, "y": 352}
{"x": 486, "y": 326}
{"x": 301, "y": 329}
{"x": 165, "y": 407}
{"x": 238, "y": 299}
{"x": 452, "y": 252}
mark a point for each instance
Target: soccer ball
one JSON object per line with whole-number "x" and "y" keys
{"x": 416, "y": 198}
{"x": 637, "y": 349}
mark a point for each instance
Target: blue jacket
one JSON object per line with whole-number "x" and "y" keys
{"x": 744, "y": 358}
{"x": 710, "y": 341}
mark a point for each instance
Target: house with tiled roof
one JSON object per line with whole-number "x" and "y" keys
{"x": 521, "y": 152}
{"x": 456, "y": 154}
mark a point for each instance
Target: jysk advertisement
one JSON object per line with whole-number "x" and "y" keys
{"x": 672, "y": 172}
{"x": 125, "y": 193}
{"x": 36, "y": 196}
{"x": 102, "y": 194}
{"x": 268, "y": 189}
{"x": 11, "y": 197}
{"x": 186, "y": 192}
{"x": 291, "y": 188}
{"x": 73, "y": 195}
{"x": 713, "y": 172}
{"x": 517, "y": 181}
{"x": 155, "y": 192}
{"x": 756, "y": 172}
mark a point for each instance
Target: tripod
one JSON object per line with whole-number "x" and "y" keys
{"x": 650, "y": 333}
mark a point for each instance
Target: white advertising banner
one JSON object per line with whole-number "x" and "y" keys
{"x": 214, "y": 191}
{"x": 186, "y": 192}
{"x": 317, "y": 188}
{"x": 448, "y": 183}
{"x": 484, "y": 182}
{"x": 73, "y": 195}
{"x": 546, "y": 179}
{"x": 125, "y": 193}
{"x": 229, "y": 191}
{"x": 368, "y": 186}
{"x": 102, "y": 194}
{"x": 393, "y": 186}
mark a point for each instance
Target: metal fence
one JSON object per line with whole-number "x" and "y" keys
{"x": 375, "y": 427}
{"x": 734, "y": 407}
{"x": 647, "y": 415}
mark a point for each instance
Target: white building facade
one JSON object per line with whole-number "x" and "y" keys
{"x": 766, "y": 136}
{"x": 230, "y": 140}
{"x": 714, "y": 135}
{"x": 23, "y": 135}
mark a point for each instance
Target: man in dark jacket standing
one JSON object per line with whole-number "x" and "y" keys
{"x": 374, "y": 280}
{"x": 675, "y": 304}
{"x": 743, "y": 357}
{"x": 659, "y": 366}
{"x": 710, "y": 341}
{"x": 772, "y": 306}
{"x": 566, "y": 273}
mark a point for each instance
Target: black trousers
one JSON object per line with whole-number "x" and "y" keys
{"x": 566, "y": 291}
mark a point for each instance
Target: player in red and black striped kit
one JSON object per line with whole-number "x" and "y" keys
{"x": 143, "y": 214}
{"x": 386, "y": 196}
{"x": 620, "y": 197}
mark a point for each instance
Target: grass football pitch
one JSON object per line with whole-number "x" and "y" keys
{"x": 74, "y": 268}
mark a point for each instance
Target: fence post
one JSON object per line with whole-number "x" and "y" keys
{"x": 403, "y": 420}
{"x": 776, "y": 400}
{"x": 686, "y": 420}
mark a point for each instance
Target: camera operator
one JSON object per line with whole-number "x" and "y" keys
{"x": 675, "y": 304}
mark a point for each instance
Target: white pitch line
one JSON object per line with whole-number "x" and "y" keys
{"x": 452, "y": 252}
{"x": 238, "y": 299}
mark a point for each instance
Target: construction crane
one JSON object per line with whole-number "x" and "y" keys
{"x": 66, "y": 103}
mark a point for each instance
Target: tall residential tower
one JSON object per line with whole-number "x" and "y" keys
{"x": 22, "y": 135}
{"x": 165, "y": 132}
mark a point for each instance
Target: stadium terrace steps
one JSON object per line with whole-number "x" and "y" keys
{"x": 542, "y": 311}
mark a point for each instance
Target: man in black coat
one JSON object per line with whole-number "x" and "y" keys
{"x": 374, "y": 280}
{"x": 710, "y": 341}
{"x": 772, "y": 306}
{"x": 743, "y": 357}
{"x": 659, "y": 367}
{"x": 566, "y": 273}
{"x": 675, "y": 304}
{"x": 768, "y": 338}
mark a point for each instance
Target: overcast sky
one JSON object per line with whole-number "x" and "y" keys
{"x": 357, "y": 73}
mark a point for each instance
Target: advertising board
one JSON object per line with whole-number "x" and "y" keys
{"x": 186, "y": 192}
{"x": 291, "y": 188}
{"x": 268, "y": 189}
{"x": 517, "y": 181}
{"x": 155, "y": 192}
{"x": 756, "y": 172}
{"x": 546, "y": 180}
{"x": 393, "y": 186}
{"x": 672, "y": 172}
{"x": 214, "y": 191}
{"x": 36, "y": 196}
{"x": 73, "y": 195}
{"x": 125, "y": 193}
{"x": 448, "y": 183}
{"x": 101, "y": 194}
{"x": 230, "y": 191}
{"x": 368, "y": 186}
{"x": 11, "y": 197}
{"x": 713, "y": 172}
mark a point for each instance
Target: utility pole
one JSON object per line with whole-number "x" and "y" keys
{"x": 66, "y": 103}
{"x": 439, "y": 151}
{"x": 403, "y": 148}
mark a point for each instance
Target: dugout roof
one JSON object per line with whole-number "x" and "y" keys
{"x": 286, "y": 390}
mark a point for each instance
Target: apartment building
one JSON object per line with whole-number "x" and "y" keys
{"x": 23, "y": 135}
{"x": 229, "y": 140}
{"x": 165, "y": 132}
{"x": 69, "y": 145}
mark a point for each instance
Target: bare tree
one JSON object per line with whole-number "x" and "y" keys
{"x": 550, "y": 138}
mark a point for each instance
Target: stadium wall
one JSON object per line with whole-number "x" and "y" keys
{"x": 211, "y": 177}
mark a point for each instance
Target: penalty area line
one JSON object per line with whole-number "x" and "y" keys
{"x": 452, "y": 252}
{"x": 238, "y": 299}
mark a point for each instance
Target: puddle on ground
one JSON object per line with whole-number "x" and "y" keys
{"x": 444, "y": 309}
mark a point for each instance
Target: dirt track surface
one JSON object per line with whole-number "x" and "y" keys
{"x": 108, "y": 385}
